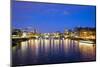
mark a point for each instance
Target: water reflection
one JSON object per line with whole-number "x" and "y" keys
{"x": 40, "y": 51}
{"x": 87, "y": 51}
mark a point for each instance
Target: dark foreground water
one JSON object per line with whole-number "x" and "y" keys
{"x": 48, "y": 51}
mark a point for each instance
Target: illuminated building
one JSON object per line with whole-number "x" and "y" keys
{"x": 86, "y": 33}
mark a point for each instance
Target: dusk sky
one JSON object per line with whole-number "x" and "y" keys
{"x": 51, "y": 17}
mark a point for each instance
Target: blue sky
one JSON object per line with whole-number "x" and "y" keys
{"x": 51, "y": 17}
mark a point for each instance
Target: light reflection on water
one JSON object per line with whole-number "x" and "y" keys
{"x": 87, "y": 51}
{"x": 42, "y": 51}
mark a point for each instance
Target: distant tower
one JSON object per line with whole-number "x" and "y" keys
{"x": 34, "y": 31}
{"x": 66, "y": 31}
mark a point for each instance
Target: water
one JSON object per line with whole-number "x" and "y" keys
{"x": 48, "y": 51}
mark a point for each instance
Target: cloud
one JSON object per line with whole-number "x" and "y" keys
{"x": 55, "y": 11}
{"x": 65, "y": 12}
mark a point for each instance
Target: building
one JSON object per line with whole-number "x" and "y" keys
{"x": 86, "y": 33}
{"x": 16, "y": 32}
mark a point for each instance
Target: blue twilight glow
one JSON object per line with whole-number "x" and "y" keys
{"x": 52, "y": 17}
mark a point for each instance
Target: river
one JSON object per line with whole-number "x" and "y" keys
{"x": 51, "y": 51}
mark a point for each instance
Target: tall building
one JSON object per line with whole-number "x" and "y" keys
{"x": 34, "y": 31}
{"x": 66, "y": 31}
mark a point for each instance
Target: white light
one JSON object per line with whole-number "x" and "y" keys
{"x": 86, "y": 43}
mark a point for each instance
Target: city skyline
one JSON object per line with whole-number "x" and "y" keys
{"x": 52, "y": 17}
